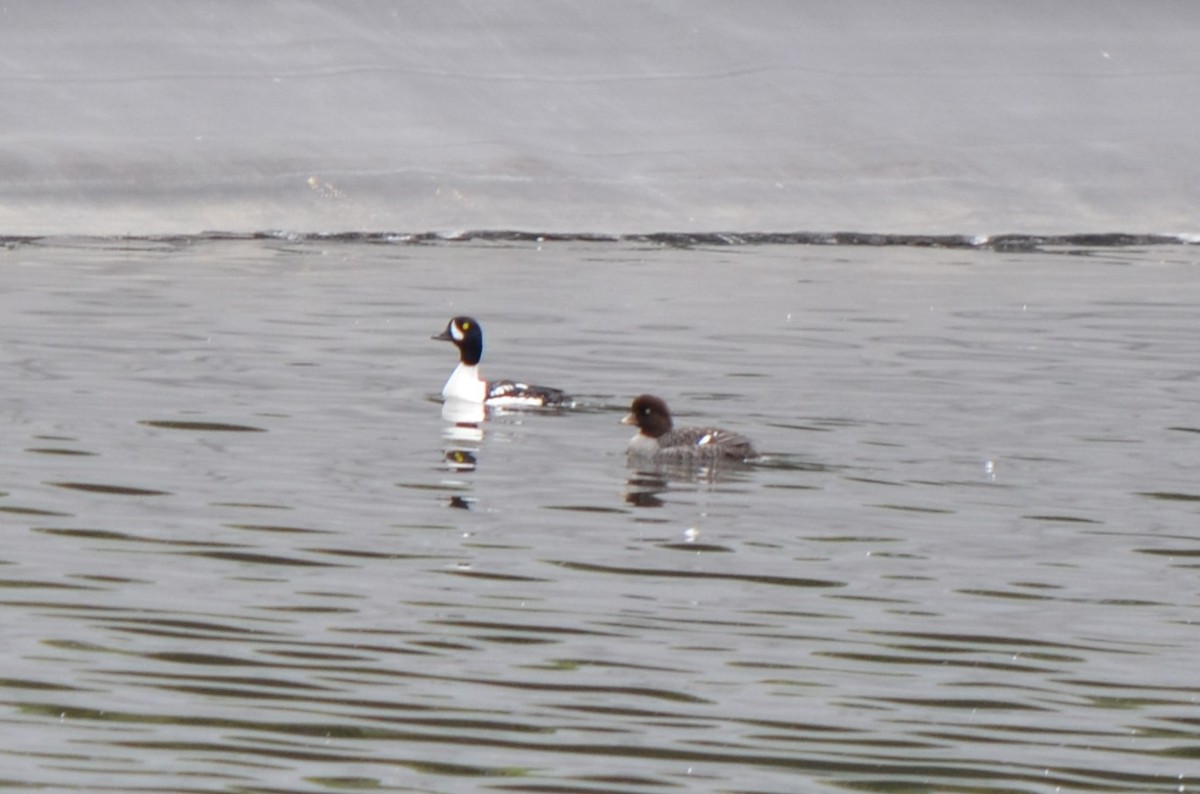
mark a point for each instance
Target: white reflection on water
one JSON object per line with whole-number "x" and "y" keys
{"x": 235, "y": 551}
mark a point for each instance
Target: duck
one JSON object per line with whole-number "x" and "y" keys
{"x": 465, "y": 385}
{"x": 657, "y": 438}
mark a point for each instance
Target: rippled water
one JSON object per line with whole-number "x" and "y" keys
{"x": 237, "y": 557}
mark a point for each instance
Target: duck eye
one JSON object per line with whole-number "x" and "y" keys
{"x": 466, "y": 326}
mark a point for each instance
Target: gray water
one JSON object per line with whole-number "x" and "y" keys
{"x": 237, "y": 559}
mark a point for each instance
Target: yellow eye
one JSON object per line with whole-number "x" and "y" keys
{"x": 466, "y": 326}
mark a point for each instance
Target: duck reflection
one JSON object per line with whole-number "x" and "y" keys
{"x": 462, "y": 436}
{"x": 464, "y": 414}
{"x": 643, "y": 488}
{"x": 460, "y": 460}
{"x": 649, "y": 481}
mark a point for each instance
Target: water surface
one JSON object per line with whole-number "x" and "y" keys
{"x": 237, "y": 557}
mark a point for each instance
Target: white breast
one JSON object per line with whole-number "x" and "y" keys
{"x": 464, "y": 384}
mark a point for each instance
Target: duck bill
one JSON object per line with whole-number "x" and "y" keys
{"x": 444, "y": 336}
{"x": 629, "y": 419}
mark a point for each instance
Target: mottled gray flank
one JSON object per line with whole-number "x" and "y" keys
{"x": 150, "y": 117}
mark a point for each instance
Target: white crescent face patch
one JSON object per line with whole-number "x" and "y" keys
{"x": 456, "y": 332}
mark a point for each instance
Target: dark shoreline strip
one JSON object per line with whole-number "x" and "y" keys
{"x": 999, "y": 242}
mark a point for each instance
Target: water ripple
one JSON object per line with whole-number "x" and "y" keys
{"x": 968, "y": 564}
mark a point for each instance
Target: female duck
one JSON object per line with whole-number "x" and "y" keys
{"x": 659, "y": 441}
